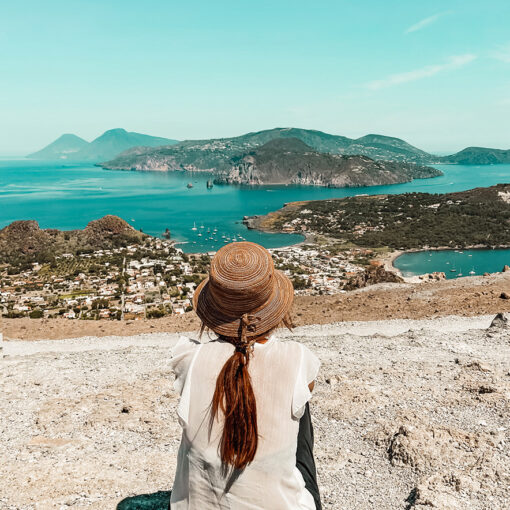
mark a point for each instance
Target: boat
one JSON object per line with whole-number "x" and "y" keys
{"x": 199, "y": 234}
{"x": 209, "y": 184}
{"x": 189, "y": 185}
{"x": 472, "y": 271}
{"x": 194, "y": 227}
{"x": 202, "y": 226}
{"x": 453, "y": 270}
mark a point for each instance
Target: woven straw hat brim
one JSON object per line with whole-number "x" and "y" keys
{"x": 269, "y": 315}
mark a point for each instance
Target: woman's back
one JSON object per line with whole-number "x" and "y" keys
{"x": 280, "y": 373}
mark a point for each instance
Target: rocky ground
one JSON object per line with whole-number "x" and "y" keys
{"x": 469, "y": 296}
{"x": 408, "y": 414}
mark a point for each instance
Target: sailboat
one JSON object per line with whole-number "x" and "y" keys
{"x": 472, "y": 271}
{"x": 194, "y": 226}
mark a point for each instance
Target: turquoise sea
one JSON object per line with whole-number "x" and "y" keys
{"x": 68, "y": 196}
{"x": 454, "y": 263}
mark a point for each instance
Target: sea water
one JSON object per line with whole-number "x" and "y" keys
{"x": 454, "y": 263}
{"x": 68, "y": 196}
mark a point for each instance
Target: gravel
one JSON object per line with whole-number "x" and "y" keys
{"x": 408, "y": 414}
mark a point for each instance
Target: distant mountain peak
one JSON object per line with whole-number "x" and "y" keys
{"x": 115, "y": 131}
{"x": 106, "y": 146}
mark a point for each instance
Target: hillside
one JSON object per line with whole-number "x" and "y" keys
{"x": 478, "y": 217}
{"x": 478, "y": 156}
{"x": 23, "y": 242}
{"x": 107, "y": 146}
{"x": 64, "y": 147}
{"x": 216, "y": 154}
{"x": 291, "y": 161}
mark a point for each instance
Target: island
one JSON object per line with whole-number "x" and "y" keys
{"x": 282, "y": 160}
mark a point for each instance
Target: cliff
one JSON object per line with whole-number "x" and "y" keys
{"x": 291, "y": 161}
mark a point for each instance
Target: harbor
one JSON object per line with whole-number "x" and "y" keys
{"x": 453, "y": 263}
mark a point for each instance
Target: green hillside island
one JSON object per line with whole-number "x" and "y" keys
{"x": 476, "y": 218}
{"x": 23, "y": 242}
{"x": 111, "y": 143}
{"x": 280, "y": 160}
{"x": 218, "y": 154}
{"x": 478, "y": 156}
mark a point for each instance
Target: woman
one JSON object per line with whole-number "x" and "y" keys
{"x": 244, "y": 395}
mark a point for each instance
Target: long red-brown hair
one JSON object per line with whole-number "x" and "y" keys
{"x": 234, "y": 396}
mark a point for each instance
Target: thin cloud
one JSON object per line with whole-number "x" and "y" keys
{"x": 424, "y": 22}
{"x": 502, "y": 53}
{"x": 454, "y": 62}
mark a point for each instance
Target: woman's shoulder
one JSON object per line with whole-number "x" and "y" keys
{"x": 184, "y": 344}
{"x": 292, "y": 346}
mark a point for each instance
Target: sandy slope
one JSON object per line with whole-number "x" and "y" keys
{"x": 408, "y": 414}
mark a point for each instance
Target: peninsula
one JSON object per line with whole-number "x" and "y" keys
{"x": 476, "y": 218}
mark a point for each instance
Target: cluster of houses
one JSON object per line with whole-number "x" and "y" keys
{"x": 152, "y": 280}
{"x": 119, "y": 283}
{"x": 318, "y": 272}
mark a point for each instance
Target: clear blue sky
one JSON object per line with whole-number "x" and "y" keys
{"x": 435, "y": 73}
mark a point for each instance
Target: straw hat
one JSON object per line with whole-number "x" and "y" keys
{"x": 244, "y": 296}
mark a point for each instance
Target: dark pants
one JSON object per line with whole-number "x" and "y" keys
{"x": 304, "y": 456}
{"x": 304, "y": 462}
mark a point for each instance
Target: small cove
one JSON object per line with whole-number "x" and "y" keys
{"x": 454, "y": 263}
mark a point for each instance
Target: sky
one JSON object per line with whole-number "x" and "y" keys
{"x": 434, "y": 73}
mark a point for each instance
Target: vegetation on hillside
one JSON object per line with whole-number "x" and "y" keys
{"x": 478, "y": 217}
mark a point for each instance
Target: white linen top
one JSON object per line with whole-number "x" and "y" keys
{"x": 280, "y": 374}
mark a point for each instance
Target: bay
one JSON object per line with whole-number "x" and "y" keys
{"x": 454, "y": 263}
{"x": 68, "y": 196}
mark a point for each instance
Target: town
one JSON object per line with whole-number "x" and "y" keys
{"x": 151, "y": 280}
